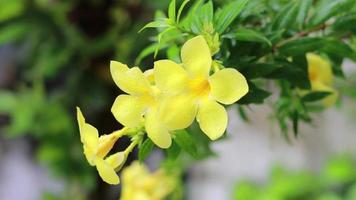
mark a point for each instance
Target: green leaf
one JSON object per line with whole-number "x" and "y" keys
{"x": 249, "y": 35}
{"x": 286, "y": 17}
{"x": 343, "y": 23}
{"x": 207, "y": 13}
{"x": 172, "y": 11}
{"x": 14, "y": 32}
{"x": 288, "y": 71}
{"x": 301, "y": 46}
{"x": 202, "y": 18}
{"x": 295, "y": 120}
{"x": 302, "y": 14}
{"x": 173, "y": 151}
{"x": 257, "y": 70}
{"x": 326, "y": 9}
{"x": 159, "y": 38}
{"x": 255, "y": 95}
{"x": 225, "y": 16}
{"x": 160, "y": 23}
{"x": 186, "y": 142}
{"x": 315, "y": 96}
{"x": 149, "y": 50}
{"x": 145, "y": 149}
{"x": 181, "y": 9}
{"x": 337, "y": 48}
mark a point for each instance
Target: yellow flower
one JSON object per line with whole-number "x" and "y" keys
{"x": 321, "y": 77}
{"x": 190, "y": 91}
{"x": 140, "y": 105}
{"x": 140, "y": 184}
{"x": 96, "y": 148}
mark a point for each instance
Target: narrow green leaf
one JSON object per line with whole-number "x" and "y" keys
{"x": 202, "y": 17}
{"x": 295, "y": 120}
{"x": 250, "y": 35}
{"x": 303, "y": 10}
{"x": 286, "y": 17}
{"x": 225, "y": 16}
{"x": 186, "y": 142}
{"x": 255, "y": 95}
{"x": 315, "y": 96}
{"x": 257, "y": 70}
{"x": 344, "y": 22}
{"x": 161, "y": 23}
{"x": 181, "y": 9}
{"x": 145, "y": 149}
{"x": 207, "y": 13}
{"x": 159, "y": 38}
{"x": 326, "y": 9}
{"x": 149, "y": 50}
{"x": 302, "y": 45}
{"x": 172, "y": 11}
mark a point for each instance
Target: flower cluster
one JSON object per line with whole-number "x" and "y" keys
{"x": 172, "y": 95}
{"x": 164, "y": 99}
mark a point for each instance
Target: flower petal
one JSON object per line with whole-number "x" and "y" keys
{"x": 330, "y": 99}
{"x": 178, "y": 112}
{"x": 88, "y": 134}
{"x": 196, "y": 56}
{"x": 116, "y": 160}
{"x": 319, "y": 69}
{"x": 169, "y": 76}
{"x": 107, "y": 172}
{"x": 228, "y": 85}
{"x": 128, "y": 110}
{"x": 156, "y": 131}
{"x": 106, "y": 143}
{"x": 212, "y": 118}
{"x": 131, "y": 81}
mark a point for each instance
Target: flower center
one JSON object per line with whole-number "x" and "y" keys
{"x": 313, "y": 75}
{"x": 199, "y": 86}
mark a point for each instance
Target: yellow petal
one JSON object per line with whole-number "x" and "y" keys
{"x": 319, "y": 69}
{"x": 88, "y": 134}
{"x": 169, "y": 76}
{"x": 90, "y": 155}
{"x": 150, "y": 76}
{"x": 196, "y": 56}
{"x": 128, "y": 110}
{"x": 330, "y": 99}
{"x": 131, "y": 81}
{"x": 156, "y": 131}
{"x": 116, "y": 160}
{"x": 178, "y": 112}
{"x": 212, "y": 118}
{"x": 107, "y": 172}
{"x": 106, "y": 142}
{"x": 228, "y": 85}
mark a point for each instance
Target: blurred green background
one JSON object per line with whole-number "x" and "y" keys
{"x": 55, "y": 55}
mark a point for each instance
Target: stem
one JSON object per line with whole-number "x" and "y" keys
{"x": 301, "y": 34}
{"x": 183, "y": 30}
{"x": 131, "y": 147}
{"x": 121, "y": 132}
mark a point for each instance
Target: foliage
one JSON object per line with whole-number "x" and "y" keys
{"x": 337, "y": 180}
{"x": 58, "y": 55}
